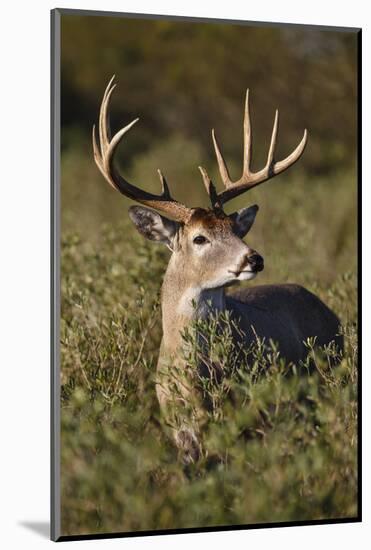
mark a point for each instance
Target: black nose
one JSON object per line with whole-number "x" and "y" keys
{"x": 256, "y": 262}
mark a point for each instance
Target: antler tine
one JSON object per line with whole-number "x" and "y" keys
{"x": 210, "y": 189}
{"x": 247, "y": 137}
{"x": 104, "y": 157}
{"x": 223, "y": 169}
{"x": 250, "y": 179}
{"x": 164, "y": 185}
{"x": 247, "y": 142}
{"x": 104, "y": 124}
{"x": 272, "y": 146}
{"x": 281, "y": 165}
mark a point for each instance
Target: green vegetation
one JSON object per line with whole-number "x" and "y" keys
{"x": 280, "y": 443}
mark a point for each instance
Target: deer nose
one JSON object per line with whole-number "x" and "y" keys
{"x": 255, "y": 261}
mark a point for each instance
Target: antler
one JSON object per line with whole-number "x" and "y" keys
{"x": 250, "y": 179}
{"x": 104, "y": 158}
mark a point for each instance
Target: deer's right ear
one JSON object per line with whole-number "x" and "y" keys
{"x": 153, "y": 226}
{"x": 243, "y": 220}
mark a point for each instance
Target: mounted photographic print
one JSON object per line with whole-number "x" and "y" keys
{"x": 205, "y": 274}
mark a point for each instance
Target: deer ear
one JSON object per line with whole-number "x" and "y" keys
{"x": 153, "y": 226}
{"x": 243, "y": 220}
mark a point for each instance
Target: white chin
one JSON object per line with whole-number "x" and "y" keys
{"x": 246, "y": 276}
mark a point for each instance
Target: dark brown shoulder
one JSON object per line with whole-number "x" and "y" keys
{"x": 266, "y": 290}
{"x": 268, "y": 295}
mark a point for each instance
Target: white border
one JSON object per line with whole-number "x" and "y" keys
{"x": 24, "y": 230}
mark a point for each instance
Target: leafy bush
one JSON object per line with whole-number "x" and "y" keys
{"x": 279, "y": 443}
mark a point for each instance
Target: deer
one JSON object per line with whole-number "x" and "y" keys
{"x": 208, "y": 254}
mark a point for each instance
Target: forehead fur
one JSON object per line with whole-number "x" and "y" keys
{"x": 210, "y": 219}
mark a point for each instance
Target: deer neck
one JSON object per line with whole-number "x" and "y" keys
{"x": 182, "y": 302}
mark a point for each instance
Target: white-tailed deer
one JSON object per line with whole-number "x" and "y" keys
{"x": 208, "y": 254}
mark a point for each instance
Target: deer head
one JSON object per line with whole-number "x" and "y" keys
{"x": 206, "y": 245}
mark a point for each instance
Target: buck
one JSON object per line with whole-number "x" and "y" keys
{"x": 207, "y": 255}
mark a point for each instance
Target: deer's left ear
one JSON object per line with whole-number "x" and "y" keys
{"x": 243, "y": 220}
{"x": 153, "y": 226}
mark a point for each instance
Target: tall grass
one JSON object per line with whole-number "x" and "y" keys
{"x": 279, "y": 442}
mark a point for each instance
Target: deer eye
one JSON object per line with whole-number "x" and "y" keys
{"x": 200, "y": 239}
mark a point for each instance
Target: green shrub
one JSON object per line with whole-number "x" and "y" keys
{"x": 280, "y": 444}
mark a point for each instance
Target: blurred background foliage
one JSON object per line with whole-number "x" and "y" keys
{"x": 182, "y": 79}
{"x": 119, "y": 470}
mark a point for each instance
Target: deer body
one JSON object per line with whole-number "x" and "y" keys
{"x": 193, "y": 288}
{"x": 287, "y": 314}
{"x": 209, "y": 254}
